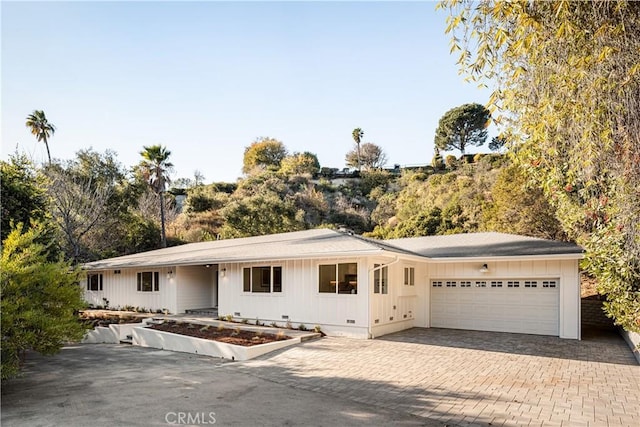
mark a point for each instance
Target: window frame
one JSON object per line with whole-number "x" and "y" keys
{"x": 154, "y": 284}
{"x": 409, "y": 276}
{"x": 353, "y": 290}
{"x": 248, "y": 279}
{"x": 381, "y": 279}
{"x": 99, "y": 284}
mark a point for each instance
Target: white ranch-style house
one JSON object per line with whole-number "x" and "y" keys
{"x": 353, "y": 286}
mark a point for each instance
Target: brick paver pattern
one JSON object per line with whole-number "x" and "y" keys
{"x": 470, "y": 378}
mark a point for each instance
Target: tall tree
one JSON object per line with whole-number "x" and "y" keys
{"x": 23, "y": 198}
{"x": 263, "y": 154}
{"x": 357, "y": 135}
{"x": 370, "y": 156}
{"x": 496, "y": 143}
{"x": 300, "y": 163}
{"x": 462, "y": 126}
{"x": 40, "y": 127}
{"x": 78, "y": 205}
{"x": 155, "y": 168}
{"x": 567, "y": 79}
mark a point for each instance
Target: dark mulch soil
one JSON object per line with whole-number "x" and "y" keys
{"x": 226, "y": 335}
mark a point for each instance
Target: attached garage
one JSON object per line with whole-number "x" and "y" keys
{"x": 500, "y": 282}
{"x": 530, "y": 306}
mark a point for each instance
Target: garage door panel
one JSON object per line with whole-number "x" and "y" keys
{"x": 468, "y": 298}
{"x": 533, "y": 310}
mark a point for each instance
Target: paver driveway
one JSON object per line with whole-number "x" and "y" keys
{"x": 470, "y": 378}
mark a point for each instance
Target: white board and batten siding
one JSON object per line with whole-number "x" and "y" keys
{"x": 534, "y": 297}
{"x": 400, "y": 308}
{"x": 120, "y": 288}
{"x": 300, "y": 301}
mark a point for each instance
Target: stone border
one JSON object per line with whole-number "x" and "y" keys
{"x": 146, "y": 337}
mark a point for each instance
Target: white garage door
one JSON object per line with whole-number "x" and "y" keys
{"x": 529, "y": 306}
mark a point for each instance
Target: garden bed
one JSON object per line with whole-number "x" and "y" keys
{"x": 228, "y": 343}
{"x": 111, "y": 317}
{"x": 234, "y": 336}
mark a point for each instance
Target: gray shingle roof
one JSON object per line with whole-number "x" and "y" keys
{"x": 323, "y": 243}
{"x": 484, "y": 245}
{"x": 298, "y": 244}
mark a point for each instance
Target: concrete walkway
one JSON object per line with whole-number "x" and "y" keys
{"x": 470, "y": 378}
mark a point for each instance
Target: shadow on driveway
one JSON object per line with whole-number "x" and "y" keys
{"x": 603, "y": 346}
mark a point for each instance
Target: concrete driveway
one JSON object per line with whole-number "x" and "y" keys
{"x": 431, "y": 377}
{"x": 122, "y": 385}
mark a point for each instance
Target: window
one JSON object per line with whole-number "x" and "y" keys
{"x": 549, "y": 284}
{"x": 338, "y": 278}
{"x": 262, "y": 279}
{"x": 530, "y": 284}
{"x": 94, "y": 282}
{"x": 451, "y": 284}
{"x": 149, "y": 281}
{"x": 496, "y": 284}
{"x": 465, "y": 284}
{"x": 436, "y": 284}
{"x": 513, "y": 284}
{"x": 409, "y": 276}
{"x": 481, "y": 284}
{"x": 380, "y": 279}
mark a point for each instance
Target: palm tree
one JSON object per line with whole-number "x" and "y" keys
{"x": 41, "y": 128}
{"x": 357, "y": 135}
{"x": 155, "y": 169}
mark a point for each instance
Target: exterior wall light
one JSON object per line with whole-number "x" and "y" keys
{"x": 223, "y": 272}
{"x": 484, "y": 268}
{"x": 169, "y": 274}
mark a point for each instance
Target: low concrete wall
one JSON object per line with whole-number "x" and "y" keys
{"x": 146, "y": 337}
{"x": 122, "y": 330}
{"x": 633, "y": 339}
{"x": 389, "y": 328}
{"x": 101, "y": 335}
{"x": 109, "y": 335}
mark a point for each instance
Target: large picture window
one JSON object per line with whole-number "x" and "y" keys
{"x": 149, "y": 281}
{"x": 262, "y": 279}
{"x": 380, "y": 279}
{"x": 94, "y": 282}
{"x": 338, "y": 278}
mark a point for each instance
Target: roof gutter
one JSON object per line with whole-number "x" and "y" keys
{"x": 573, "y": 256}
{"x": 379, "y": 267}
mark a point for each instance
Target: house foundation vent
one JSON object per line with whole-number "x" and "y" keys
{"x": 351, "y": 321}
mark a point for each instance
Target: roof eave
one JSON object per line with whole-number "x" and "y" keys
{"x": 350, "y": 254}
{"x": 555, "y": 257}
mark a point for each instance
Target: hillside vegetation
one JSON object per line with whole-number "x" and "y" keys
{"x": 487, "y": 195}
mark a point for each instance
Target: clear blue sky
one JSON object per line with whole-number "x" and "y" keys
{"x": 206, "y": 79}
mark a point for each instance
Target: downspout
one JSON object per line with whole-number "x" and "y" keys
{"x": 380, "y": 267}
